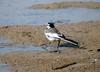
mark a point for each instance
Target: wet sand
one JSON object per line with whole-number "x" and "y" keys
{"x": 58, "y": 5}
{"x": 71, "y": 59}
{"x": 86, "y": 33}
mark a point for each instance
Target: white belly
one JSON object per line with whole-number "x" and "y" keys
{"x": 52, "y": 36}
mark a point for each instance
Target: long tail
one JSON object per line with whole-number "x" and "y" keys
{"x": 69, "y": 40}
{"x": 72, "y": 41}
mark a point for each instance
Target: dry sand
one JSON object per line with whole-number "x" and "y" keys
{"x": 57, "y": 5}
{"x": 86, "y": 59}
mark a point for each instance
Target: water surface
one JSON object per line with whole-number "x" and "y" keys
{"x": 69, "y": 15}
{"x": 6, "y": 46}
{"x": 20, "y": 48}
{"x": 14, "y": 12}
{"x": 4, "y": 68}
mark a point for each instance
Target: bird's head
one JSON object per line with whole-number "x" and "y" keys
{"x": 50, "y": 25}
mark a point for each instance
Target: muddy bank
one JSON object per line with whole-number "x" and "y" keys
{"x": 69, "y": 60}
{"x": 87, "y": 33}
{"x": 86, "y": 59}
{"x": 59, "y": 5}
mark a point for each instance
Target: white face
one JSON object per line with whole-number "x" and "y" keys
{"x": 48, "y": 27}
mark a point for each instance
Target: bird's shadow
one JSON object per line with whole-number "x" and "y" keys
{"x": 70, "y": 45}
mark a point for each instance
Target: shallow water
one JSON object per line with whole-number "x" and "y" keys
{"x": 20, "y": 48}
{"x": 4, "y": 68}
{"x": 6, "y": 46}
{"x": 14, "y": 12}
{"x": 69, "y": 15}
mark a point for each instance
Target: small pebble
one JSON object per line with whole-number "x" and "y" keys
{"x": 95, "y": 60}
{"x": 90, "y": 50}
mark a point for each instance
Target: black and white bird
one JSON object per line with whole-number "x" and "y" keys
{"x": 52, "y": 34}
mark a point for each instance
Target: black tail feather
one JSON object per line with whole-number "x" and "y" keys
{"x": 72, "y": 41}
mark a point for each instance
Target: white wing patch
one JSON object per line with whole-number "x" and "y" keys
{"x": 52, "y": 36}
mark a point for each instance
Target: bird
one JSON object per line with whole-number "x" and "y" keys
{"x": 53, "y": 34}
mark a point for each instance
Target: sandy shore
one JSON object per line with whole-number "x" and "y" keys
{"x": 55, "y": 5}
{"x": 86, "y": 59}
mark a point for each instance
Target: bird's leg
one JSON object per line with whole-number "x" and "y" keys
{"x": 58, "y": 46}
{"x": 49, "y": 43}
